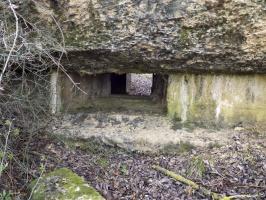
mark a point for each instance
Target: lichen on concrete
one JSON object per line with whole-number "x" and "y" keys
{"x": 193, "y": 35}
{"x": 217, "y": 99}
{"x": 63, "y": 184}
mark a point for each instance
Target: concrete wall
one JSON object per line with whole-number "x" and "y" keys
{"x": 223, "y": 100}
{"x": 217, "y": 99}
{"x": 65, "y": 96}
{"x": 55, "y": 93}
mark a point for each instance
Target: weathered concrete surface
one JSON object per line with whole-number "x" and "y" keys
{"x": 217, "y": 99}
{"x": 83, "y": 94}
{"x": 139, "y": 131}
{"x": 55, "y": 93}
{"x": 226, "y": 36}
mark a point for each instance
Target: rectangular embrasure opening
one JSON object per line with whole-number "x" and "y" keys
{"x": 113, "y": 91}
{"x": 131, "y": 84}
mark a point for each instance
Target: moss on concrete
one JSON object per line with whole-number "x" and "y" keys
{"x": 217, "y": 99}
{"x": 184, "y": 36}
{"x": 115, "y": 103}
{"x": 196, "y": 36}
{"x": 63, "y": 184}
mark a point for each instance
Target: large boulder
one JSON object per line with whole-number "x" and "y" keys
{"x": 157, "y": 35}
{"x": 63, "y": 184}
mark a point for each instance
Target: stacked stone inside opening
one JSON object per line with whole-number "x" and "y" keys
{"x": 139, "y": 84}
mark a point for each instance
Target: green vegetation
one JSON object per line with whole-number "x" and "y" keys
{"x": 63, "y": 184}
{"x": 124, "y": 169}
{"x": 214, "y": 145}
{"x": 5, "y": 195}
{"x": 182, "y": 147}
{"x": 197, "y": 167}
{"x": 103, "y": 162}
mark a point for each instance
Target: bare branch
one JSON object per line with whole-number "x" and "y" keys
{"x": 12, "y": 7}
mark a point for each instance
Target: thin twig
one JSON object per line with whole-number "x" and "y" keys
{"x": 14, "y": 43}
{"x": 37, "y": 182}
{"x": 63, "y": 38}
{"x": 5, "y": 149}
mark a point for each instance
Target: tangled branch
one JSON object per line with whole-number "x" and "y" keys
{"x": 27, "y": 54}
{"x": 14, "y": 42}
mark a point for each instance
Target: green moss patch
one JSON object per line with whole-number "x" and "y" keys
{"x": 63, "y": 184}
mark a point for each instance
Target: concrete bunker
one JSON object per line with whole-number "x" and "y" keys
{"x": 205, "y": 99}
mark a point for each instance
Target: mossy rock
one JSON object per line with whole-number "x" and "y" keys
{"x": 63, "y": 184}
